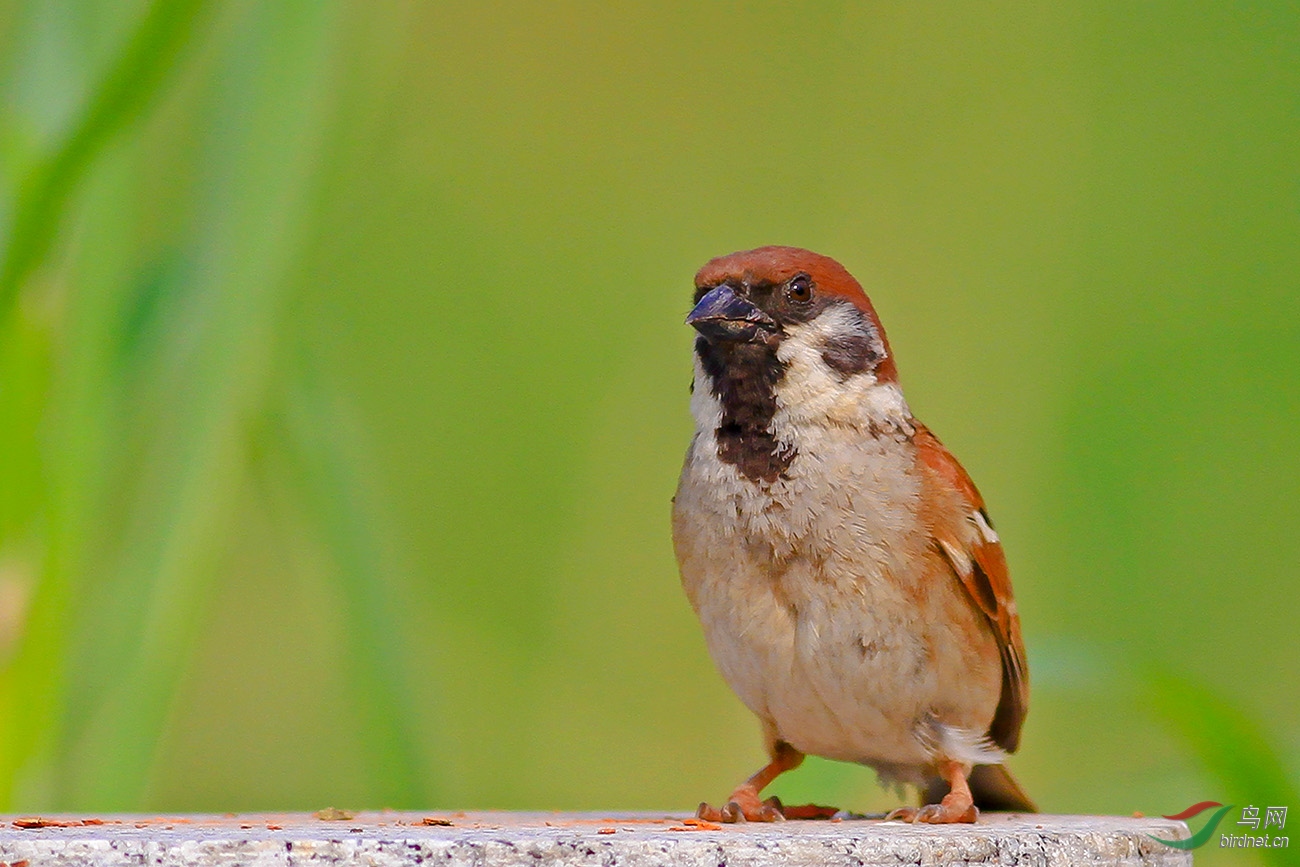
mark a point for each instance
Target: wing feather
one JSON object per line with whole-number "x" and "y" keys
{"x": 979, "y": 563}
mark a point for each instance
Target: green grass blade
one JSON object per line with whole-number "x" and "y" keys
{"x": 262, "y": 134}
{"x": 49, "y": 485}
{"x": 320, "y": 442}
{"x": 138, "y": 74}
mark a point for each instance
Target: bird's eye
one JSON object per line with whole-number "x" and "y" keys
{"x": 800, "y": 288}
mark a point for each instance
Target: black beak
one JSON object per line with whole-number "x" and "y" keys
{"x": 724, "y": 315}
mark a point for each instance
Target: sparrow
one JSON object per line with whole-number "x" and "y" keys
{"x": 851, "y": 587}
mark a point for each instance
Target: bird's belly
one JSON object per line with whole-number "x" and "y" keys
{"x": 832, "y": 680}
{"x": 842, "y": 639}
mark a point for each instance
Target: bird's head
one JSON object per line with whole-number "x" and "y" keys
{"x": 788, "y": 346}
{"x": 750, "y": 303}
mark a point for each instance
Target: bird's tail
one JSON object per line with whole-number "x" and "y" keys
{"x": 993, "y": 788}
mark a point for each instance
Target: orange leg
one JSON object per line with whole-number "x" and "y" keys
{"x": 957, "y": 806}
{"x": 745, "y": 804}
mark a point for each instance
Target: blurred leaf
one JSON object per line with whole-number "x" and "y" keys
{"x": 137, "y": 622}
{"x": 24, "y": 384}
{"x": 126, "y": 88}
{"x": 32, "y": 684}
{"x": 148, "y": 304}
{"x": 319, "y": 445}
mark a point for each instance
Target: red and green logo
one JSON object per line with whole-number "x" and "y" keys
{"x": 1201, "y": 837}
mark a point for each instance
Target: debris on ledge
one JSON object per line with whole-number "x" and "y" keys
{"x": 391, "y": 838}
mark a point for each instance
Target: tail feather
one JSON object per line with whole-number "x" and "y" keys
{"x": 993, "y": 788}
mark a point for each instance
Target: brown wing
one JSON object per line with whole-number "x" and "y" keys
{"x": 981, "y": 567}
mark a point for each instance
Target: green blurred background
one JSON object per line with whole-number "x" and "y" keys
{"x": 343, "y": 381}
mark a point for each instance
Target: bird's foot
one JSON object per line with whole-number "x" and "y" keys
{"x": 955, "y": 808}
{"x": 745, "y": 806}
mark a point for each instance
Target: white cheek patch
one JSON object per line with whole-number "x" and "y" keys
{"x": 809, "y": 385}
{"x": 812, "y": 390}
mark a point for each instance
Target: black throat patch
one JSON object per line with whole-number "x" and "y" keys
{"x": 744, "y": 376}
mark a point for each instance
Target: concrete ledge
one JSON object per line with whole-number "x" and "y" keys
{"x": 387, "y": 839}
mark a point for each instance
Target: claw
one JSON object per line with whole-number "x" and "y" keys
{"x": 944, "y": 813}
{"x": 902, "y": 814}
{"x": 928, "y": 814}
{"x": 734, "y": 812}
{"x": 708, "y": 813}
{"x": 947, "y": 813}
{"x": 769, "y": 810}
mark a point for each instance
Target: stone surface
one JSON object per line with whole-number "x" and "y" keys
{"x": 386, "y": 839}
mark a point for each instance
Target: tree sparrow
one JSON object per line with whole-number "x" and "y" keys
{"x": 851, "y": 588}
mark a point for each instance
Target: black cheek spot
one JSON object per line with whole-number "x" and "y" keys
{"x": 850, "y": 354}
